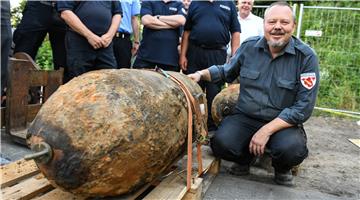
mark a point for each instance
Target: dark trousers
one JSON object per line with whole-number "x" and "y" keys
{"x": 38, "y": 20}
{"x": 199, "y": 59}
{"x": 82, "y": 57}
{"x": 143, "y": 64}
{"x": 122, "y": 50}
{"x": 5, "y": 42}
{"x": 231, "y": 142}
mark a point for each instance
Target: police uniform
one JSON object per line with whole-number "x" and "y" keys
{"x": 5, "y": 42}
{"x": 159, "y": 47}
{"x": 122, "y": 40}
{"x": 97, "y": 17}
{"x": 210, "y": 25}
{"x": 40, "y": 18}
{"x": 284, "y": 87}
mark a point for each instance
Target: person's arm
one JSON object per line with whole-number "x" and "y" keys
{"x": 75, "y": 24}
{"x": 135, "y": 27}
{"x": 184, "y": 47}
{"x": 235, "y": 42}
{"x": 109, "y": 35}
{"x": 154, "y": 23}
{"x": 172, "y": 20}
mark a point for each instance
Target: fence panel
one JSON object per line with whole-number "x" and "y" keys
{"x": 334, "y": 33}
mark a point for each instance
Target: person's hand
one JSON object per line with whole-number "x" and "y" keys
{"x": 106, "y": 39}
{"x": 195, "y": 76}
{"x": 135, "y": 48}
{"x": 259, "y": 141}
{"x": 95, "y": 41}
{"x": 183, "y": 62}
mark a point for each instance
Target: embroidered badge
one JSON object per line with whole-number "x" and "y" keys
{"x": 225, "y": 7}
{"x": 308, "y": 80}
{"x": 184, "y": 11}
{"x": 173, "y": 9}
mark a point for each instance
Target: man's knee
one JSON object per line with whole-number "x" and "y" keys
{"x": 291, "y": 153}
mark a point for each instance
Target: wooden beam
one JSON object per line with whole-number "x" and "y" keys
{"x": 16, "y": 171}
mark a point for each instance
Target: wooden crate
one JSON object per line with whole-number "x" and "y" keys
{"x": 23, "y": 180}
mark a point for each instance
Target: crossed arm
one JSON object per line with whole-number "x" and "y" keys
{"x": 163, "y": 21}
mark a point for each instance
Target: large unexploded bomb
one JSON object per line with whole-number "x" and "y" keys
{"x": 109, "y": 132}
{"x": 224, "y": 102}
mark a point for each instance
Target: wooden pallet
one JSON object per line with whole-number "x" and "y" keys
{"x": 23, "y": 180}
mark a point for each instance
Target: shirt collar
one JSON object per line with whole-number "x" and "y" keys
{"x": 289, "y": 48}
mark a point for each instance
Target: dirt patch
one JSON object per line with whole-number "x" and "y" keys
{"x": 333, "y": 165}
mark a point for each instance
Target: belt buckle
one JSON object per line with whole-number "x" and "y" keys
{"x": 122, "y": 35}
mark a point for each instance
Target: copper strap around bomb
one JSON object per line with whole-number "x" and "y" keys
{"x": 193, "y": 105}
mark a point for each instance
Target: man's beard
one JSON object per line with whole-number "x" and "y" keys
{"x": 276, "y": 44}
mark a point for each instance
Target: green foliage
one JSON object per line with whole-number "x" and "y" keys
{"x": 16, "y": 13}
{"x": 339, "y": 51}
{"x": 44, "y": 56}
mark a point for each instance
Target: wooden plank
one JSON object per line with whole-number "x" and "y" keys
{"x": 195, "y": 192}
{"x": 55, "y": 79}
{"x": 355, "y": 141}
{"x": 174, "y": 186}
{"x": 3, "y": 110}
{"x": 33, "y": 109}
{"x": 58, "y": 194}
{"x": 14, "y": 172}
{"x": 28, "y": 188}
{"x": 17, "y": 95}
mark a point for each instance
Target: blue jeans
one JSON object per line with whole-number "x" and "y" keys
{"x": 231, "y": 142}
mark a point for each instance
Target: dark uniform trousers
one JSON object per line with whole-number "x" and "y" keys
{"x": 200, "y": 58}
{"x": 144, "y": 64}
{"x": 82, "y": 57}
{"x": 122, "y": 50}
{"x": 40, "y": 18}
{"x": 5, "y": 42}
{"x": 231, "y": 142}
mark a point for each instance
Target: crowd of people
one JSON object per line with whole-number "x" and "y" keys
{"x": 279, "y": 75}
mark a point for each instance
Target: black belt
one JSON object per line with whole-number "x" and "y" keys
{"x": 211, "y": 47}
{"x": 49, "y": 3}
{"x": 122, "y": 35}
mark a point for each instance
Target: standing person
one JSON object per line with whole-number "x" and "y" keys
{"x": 279, "y": 81}
{"x": 92, "y": 26}
{"x": 162, "y": 21}
{"x": 39, "y": 19}
{"x": 124, "y": 49}
{"x": 5, "y": 45}
{"x": 207, "y": 32}
{"x": 251, "y": 25}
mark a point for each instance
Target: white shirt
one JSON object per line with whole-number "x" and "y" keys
{"x": 251, "y": 26}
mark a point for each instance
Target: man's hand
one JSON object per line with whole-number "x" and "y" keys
{"x": 183, "y": 62}
{"x": 95, "y": 41}
{"x": 106, "y": 39}
{"x": 195, "y": 76}
{"x": 259, "y": 141}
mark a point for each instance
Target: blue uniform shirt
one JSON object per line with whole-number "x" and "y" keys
{"x": 130, "y": 8}
{"x": 95, "y": 15}
{"x": 160, "y": 45}
{"x": 210, "y": 23}
{"x": 284, "y": 87}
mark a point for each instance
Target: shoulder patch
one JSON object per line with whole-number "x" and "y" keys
{"x": 308, "y": 80}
